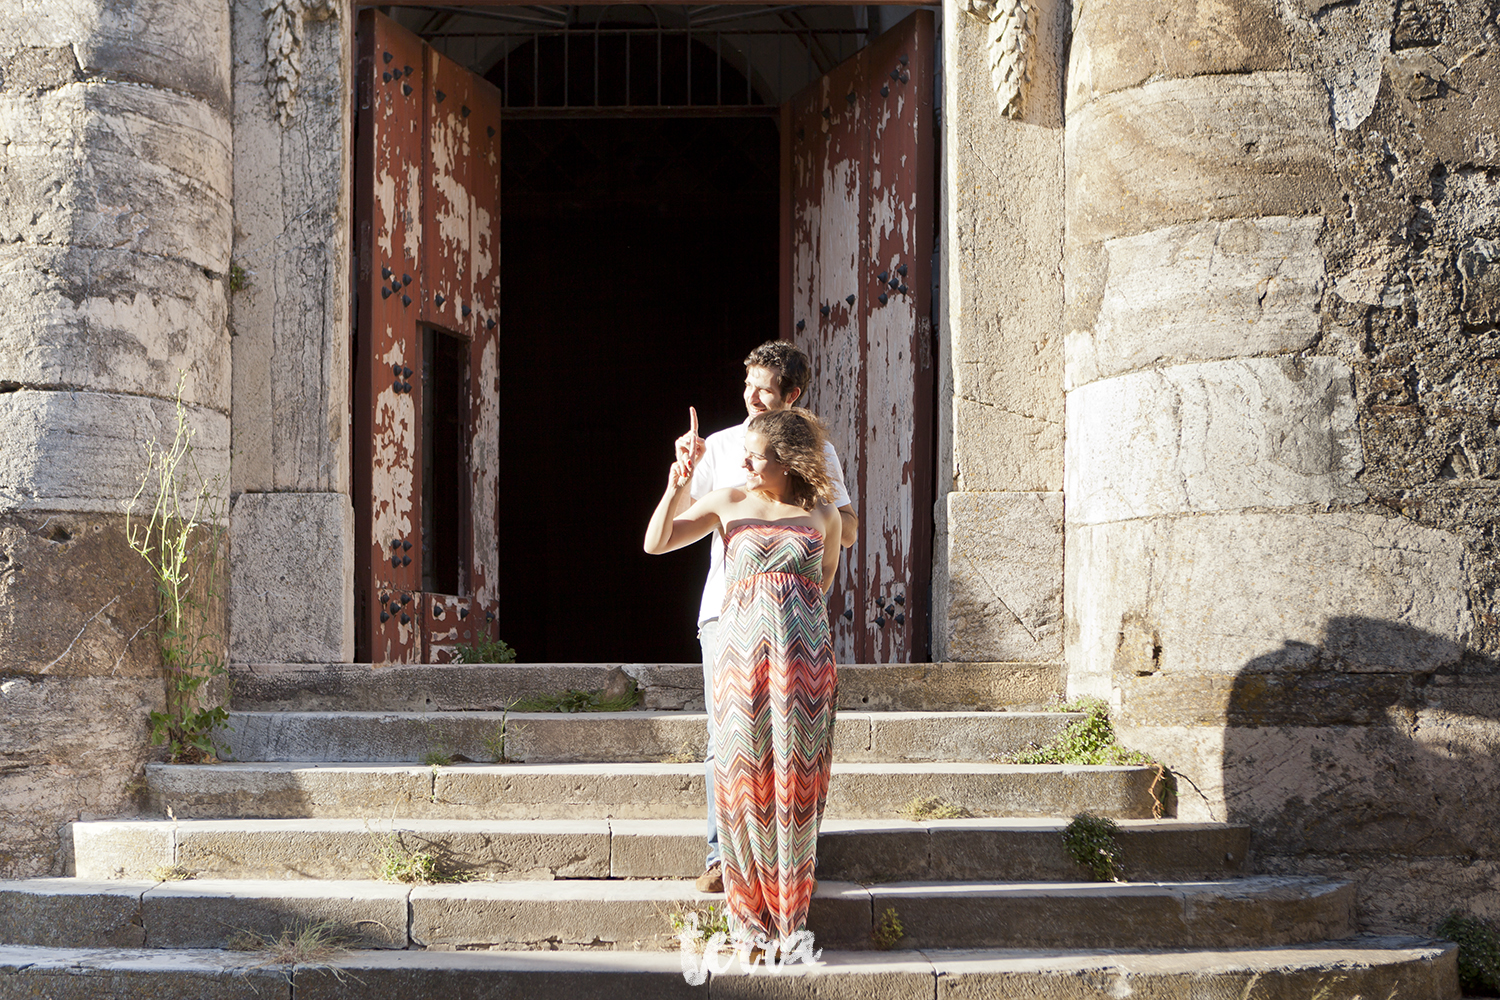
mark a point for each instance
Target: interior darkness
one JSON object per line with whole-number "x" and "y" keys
{"x": 639, "y": 266}
{"x": 445, "y": 465}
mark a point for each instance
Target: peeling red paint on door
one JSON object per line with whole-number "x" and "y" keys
{"x": 859, "y": 238}
{"x": 427, "y": 214}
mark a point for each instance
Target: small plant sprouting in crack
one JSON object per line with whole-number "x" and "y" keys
{"x": 696, "y": 926}
{"x": 486, "y": 650}
{"x": 239, "y": 278}
{"x": 920, "y": 809}
{"x": 303, "y": 944}
{"x": 887, "y": 932}
{"x": 1090, "y": 841}
{"x": 394, "y": 863}
{"x": 170, "y": 873}
{"x": 495, "y": 740}
{"x": 182, "y": 540}
{"x": 582, "y": 701}
{"x": 437, "y": 758}
{"x": 1091, "y": 741}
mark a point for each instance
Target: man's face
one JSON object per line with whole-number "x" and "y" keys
{"x": 763, "y": 391}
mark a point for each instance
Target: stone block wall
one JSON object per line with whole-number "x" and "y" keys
{"x": 997, "y": 573}
{"x": 291, "y": 596}
{"x": 1282, "y": 400}
{"x": 115, "y": 227}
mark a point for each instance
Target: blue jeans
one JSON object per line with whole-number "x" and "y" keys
{"x": 708, "y": 634}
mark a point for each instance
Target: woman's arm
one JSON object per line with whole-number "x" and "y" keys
{"x": 832, "y": 525}
{"x": 670, "y": 529}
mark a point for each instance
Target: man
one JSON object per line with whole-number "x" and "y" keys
{"x": 776, "y": 376}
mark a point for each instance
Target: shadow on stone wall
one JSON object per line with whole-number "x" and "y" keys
{"x": 1374, "y": 755}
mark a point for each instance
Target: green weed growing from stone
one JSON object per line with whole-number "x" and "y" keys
{"x": 887, "y": 931}
{"x": 582, "y": 701}
{"x": 486, "y": 650}
{"x": 239, "y": 278}
{"x": 437, "y": 758}
{"x": 494, "y": 740}
{"x": 1091, "y": 741}
{"x": 394, "y": 863}
{"x": 181, "y": 538}
{"x": 1478, "y": 943}
{"x": 1090, "y": 841}
{"x": 700, "y": 923}
{"x": 301, "y": 944}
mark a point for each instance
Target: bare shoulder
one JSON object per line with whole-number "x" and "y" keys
{"x": 725, "y": 497}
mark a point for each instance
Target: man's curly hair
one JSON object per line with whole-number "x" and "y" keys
{"x": 794, "y": 437}
{"x": 793, "y": 369}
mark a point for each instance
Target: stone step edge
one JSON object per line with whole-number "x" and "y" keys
{"x": 291, "y": 789}
{"x": 582, "y": 915}
{"x": 470, "y": 735}
{"x": 1344, "y": 953}
{"x": 859, "y": 850}
{"x": 641, "y": 767}
{"x": 872, "y": 686}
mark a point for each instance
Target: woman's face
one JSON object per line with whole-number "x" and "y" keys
{"x": 761, "y": 472}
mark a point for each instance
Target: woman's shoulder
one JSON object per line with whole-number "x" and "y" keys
{"x": 726, "y": 495}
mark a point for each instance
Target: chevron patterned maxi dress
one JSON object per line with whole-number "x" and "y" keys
{"x": 774, "y": 692}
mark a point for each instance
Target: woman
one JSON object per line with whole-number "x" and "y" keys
{"x": 774, "y": 682}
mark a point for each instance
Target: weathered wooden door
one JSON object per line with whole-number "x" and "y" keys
{"x": 857, "y": 217}
{"x": 426, "y": 357}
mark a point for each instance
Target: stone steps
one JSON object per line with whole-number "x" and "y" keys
{"x": 866, "y": 851}
{"x": 1370, "y": 968}
{"x": 360, "y": 687}
{"x": 580, "y": 862}
{"x": 552, "y": 737}
{"x": 290, "y": 790}
{"x": 632, "y": 915}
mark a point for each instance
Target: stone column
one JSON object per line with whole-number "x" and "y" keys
{"x": 114, "y": 260}
{"x": 997, "y": 580}
{"x": 1281, "y": 424}
{"x": 292, "y": 586}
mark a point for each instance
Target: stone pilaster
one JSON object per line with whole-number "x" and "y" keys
{"x": 998, "y": 559}
{"x": 293, "y": 600}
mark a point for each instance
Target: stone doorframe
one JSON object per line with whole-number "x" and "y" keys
{"x": 998, "y": 552}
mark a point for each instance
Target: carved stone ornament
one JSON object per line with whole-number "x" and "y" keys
{"x": 1011, "y": 36}
{"x": 286, "y": 22}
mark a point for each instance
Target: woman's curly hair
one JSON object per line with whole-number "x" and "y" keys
{"x": 794, "y": 437}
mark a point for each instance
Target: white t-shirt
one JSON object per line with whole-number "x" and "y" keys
{"x": 723, "y": 466}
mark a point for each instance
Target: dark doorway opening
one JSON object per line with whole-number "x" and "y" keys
{"x": 639, "y": 262}
{"x": 445, "y": 462}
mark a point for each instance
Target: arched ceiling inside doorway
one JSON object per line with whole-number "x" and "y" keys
{"x": 618, "y": 54}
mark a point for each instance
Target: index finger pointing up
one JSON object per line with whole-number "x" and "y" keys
{"x": 693, "y": 418}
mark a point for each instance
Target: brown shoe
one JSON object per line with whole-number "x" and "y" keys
{"x": 711, "y": 880}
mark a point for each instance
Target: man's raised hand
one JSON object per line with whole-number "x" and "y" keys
{"x": 690, "y": 447}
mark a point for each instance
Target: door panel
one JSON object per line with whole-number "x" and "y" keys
{"x": 859, "y": 235}
{"x": 426, "y": 209}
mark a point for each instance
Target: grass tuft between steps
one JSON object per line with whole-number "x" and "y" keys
{"x": 394, "y": 863}
{"x": 301, "y": 944}
{"x": 1091, "y": 741}
{"x": 931, "y": 807}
